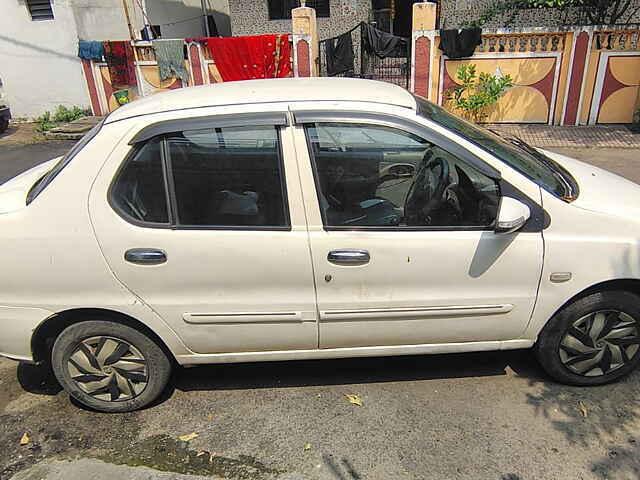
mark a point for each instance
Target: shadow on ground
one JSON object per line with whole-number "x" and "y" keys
{"x": 303, "y": 373}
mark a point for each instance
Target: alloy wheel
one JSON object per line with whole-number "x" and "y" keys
{"x": 108, "y": 368}
{"x": 600, "y": 343}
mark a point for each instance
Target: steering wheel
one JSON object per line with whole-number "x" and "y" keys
{"x": 427, "y": 191}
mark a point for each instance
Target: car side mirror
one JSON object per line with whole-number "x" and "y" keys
{"x": 512, "y": 215}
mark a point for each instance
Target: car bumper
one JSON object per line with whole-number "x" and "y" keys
{"x": 17, "y": 325}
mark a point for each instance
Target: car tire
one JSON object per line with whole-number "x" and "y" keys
{"x": 110, "y": 367}
{"x": 4, "y": 124}
{"x": 593, "y": 340}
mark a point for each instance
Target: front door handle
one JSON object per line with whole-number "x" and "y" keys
{"x": 349, "y": 257}
{"x": 145, "y": 256}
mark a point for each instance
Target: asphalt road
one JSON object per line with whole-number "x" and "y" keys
{"x": 469, "y": 416}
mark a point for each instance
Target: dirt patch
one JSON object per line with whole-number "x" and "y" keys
{"x": 55, "y": 426}
{"x": 20, "y": 134}
{"x": 164, "y": 453}
{"x": 58, "y": 429}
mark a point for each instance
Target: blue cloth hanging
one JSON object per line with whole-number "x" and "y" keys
{"x": 90, "y": 50}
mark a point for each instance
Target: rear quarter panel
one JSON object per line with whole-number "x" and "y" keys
{"x": 51, "y": 260}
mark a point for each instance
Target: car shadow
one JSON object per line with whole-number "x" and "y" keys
{"x": 38, "y": 379}
{"x": 304, "y": 373}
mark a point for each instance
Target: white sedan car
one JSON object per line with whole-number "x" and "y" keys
{"x": 304, "y": 219}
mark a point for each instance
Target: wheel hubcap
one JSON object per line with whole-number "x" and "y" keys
{"x": 108, "y": 368}
{"x": 599, "y": 343}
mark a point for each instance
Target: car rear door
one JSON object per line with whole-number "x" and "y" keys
{"x": 202, "y": 219}
{"x": 384, "y": 279}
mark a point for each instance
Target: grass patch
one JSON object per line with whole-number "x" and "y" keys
{"x": 62, "y": 114}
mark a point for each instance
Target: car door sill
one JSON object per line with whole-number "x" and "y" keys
{"x": 379, "y": 351}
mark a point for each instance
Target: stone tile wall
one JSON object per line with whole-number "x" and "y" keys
{"x": 252, "y": 18}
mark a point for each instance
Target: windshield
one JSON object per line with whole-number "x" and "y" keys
{"x": 511, "y": 150}
{"x": 47, "y": 178}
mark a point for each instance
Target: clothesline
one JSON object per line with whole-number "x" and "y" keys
{"x": 236, "y": 58}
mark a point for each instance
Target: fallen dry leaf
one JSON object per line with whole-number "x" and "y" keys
{"x": 354, "y": 399}
{"x": 25, "y": 439}
{"x": 307, "y": 446}
{"x": 210, "y": 417}
{"x": 583, "y": 409}
{"x": 186, "y": 438}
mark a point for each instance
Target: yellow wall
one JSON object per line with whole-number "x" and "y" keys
{"x": 621, "y": 105}
{"x": 522, "y": 103}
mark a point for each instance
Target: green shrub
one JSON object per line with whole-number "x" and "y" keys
{"x": 62, "y": 114}
{"x": 475, "y": 94}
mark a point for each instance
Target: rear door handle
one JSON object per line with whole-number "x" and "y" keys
{"x": 349, "y": 257}
{"x": 145, "y": 256}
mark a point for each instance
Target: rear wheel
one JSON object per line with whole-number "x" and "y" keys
{"x": 592, "y": 341}
{"x": 110, "y": 367}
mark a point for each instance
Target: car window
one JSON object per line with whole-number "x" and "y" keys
{"x": 139, "y": 190}
{"x": 46, "y": 179}
{"x": 228, "y": 177}
{"x": 378, "y": 176}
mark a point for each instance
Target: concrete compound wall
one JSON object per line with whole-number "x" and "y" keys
{"x": 105, "y": 19}
{"x": 182, "y": 18}
{"x": 561, "y": 75}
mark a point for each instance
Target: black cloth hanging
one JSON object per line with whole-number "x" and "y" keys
{"x": 383, "y": 44}
{"x": 339, "y": 54}
{"x": 460, "y": 44}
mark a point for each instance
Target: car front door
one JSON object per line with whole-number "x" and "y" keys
{"x": 203, "y": 222}
{"x": 402, "y": 238}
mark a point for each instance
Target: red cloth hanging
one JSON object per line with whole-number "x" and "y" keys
{"x": 252, "y": 57}
{"x": 120, "y": 61}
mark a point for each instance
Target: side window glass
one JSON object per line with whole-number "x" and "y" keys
{"x": 377, "y": 176}
{"x": 139, "y": 191}
{"x": 228, "y": 177}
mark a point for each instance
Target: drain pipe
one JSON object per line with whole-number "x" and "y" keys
{"x": 205, "y": 18}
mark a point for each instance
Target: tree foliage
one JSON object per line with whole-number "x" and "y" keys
{"x": 579, "y": 12}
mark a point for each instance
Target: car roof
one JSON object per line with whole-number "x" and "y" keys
{"x": 267, "y": 91}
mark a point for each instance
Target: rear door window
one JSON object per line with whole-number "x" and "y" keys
{"x": 228, "y": 177}
{"x": 222, "y": 178}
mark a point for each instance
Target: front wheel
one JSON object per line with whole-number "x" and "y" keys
{"x": 110, "y": 367}
{"x": 592, "y": 341}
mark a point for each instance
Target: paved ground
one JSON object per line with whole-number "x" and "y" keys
{"x": 17, "y": 157}
{"x": 473, "y": 416}
{"x": 597, "y": 136}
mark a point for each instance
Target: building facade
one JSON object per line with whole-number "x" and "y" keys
{"x": 39, "y": 66}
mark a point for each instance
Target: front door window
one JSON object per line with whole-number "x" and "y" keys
{"x": 383, "y": 177}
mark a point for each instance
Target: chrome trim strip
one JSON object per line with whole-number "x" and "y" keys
{"x": 227, "y": 318}
{"x": 209, "y": 122}
{"x": 414, "y": 312}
